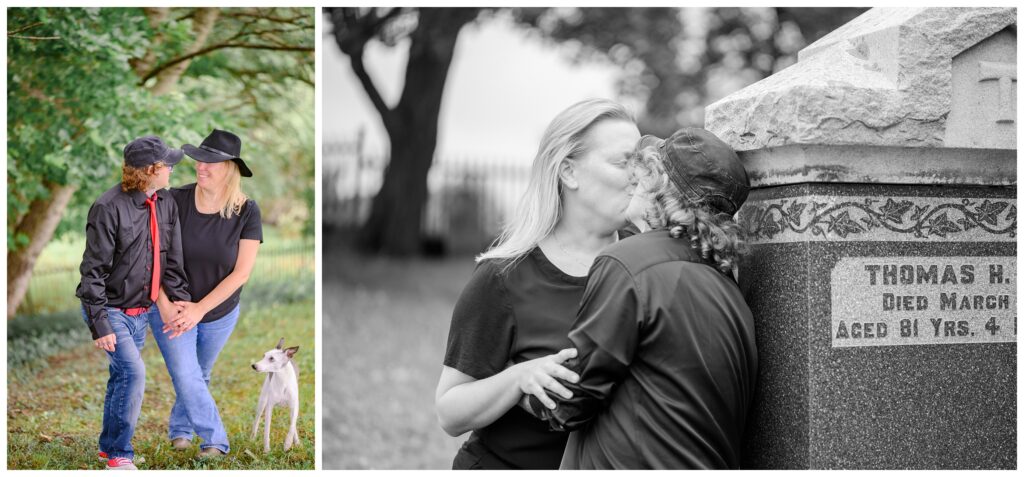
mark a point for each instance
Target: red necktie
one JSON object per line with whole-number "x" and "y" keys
{"x": 154, "y": 234}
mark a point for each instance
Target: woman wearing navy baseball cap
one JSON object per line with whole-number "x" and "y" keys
{"x": 133, "y": 254}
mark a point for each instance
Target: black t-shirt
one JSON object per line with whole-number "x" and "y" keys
{"x": 504, "y": 318}
{"x": 210, "y": 246}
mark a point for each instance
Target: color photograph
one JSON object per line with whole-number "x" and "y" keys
{"x": 160, "y": 238}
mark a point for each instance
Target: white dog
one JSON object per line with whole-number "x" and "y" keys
{"x": 281, "y": 388}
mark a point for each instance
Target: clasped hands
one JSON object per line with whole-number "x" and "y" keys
{"x": 180, "y": 317}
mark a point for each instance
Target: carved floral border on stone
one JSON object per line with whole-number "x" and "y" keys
{"x": 841, "y": 218}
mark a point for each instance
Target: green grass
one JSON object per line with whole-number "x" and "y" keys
{"x": 55, "y": 409}
{"x": 32, "y": 338}
{"x": 388, "y": 321}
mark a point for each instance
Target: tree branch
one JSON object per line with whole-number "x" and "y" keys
{"x": 246, "y": 14}
{"x": 351, "y": 33}
{"x": 222, "y": 46}
{"x": 19, "y": 37}
{"x": 394, "y": 12}
{"x": 26, "y": 27}
{"x": 371, "y": 90}
{"x": 279, "y": 30}
{"x": 203, "y": 23}
{"x": 155, "y": 16}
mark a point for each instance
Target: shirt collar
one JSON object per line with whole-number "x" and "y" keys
{"x": 139, "y": 197}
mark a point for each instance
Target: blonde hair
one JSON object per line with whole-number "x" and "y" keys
{"x": 138, "y": 178}
{"x": 231, "y": 197}
{"x": 716, "y": 235}
{"x": 540, "y": 208}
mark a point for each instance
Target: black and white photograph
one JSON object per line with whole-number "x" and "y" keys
{"x": 669, "y": 238}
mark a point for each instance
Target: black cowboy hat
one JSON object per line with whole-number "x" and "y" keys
{"x": 219, "y": 146}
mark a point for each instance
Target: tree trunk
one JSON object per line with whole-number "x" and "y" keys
{"x": 202, "y": 25}
{"x": 395, "y": 220}
{"x": 155, "y": 16}
{"x": 39, "y": 225}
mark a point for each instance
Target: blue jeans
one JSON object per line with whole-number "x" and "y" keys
{"x": 127, "y": 383}
{"x": 190, "y": 358}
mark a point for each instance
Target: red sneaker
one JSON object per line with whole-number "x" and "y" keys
{"x": 121, "y": 463}
{"x": 103, "y": 456}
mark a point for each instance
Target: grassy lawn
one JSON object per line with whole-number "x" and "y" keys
{"x": 54, "y": 411}
{"x": 56, "y": 378}
{"x": 387, "y": 321}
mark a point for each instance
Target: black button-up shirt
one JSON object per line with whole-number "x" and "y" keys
{"x": 667, "y": 362}
{"x": 117, "y": 266}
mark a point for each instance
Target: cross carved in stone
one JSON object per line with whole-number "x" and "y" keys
{"x": 1006, "y": 74}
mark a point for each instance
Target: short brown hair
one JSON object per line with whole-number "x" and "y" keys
{"x": 137, "y": 178}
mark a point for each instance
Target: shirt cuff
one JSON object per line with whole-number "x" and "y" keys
{"x": 538, "y": 409}
{"x": 100, "y": 327}
{"x": 177, "y": 295}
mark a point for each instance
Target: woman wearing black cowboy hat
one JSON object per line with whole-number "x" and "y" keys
{"x": 220, "y": 233}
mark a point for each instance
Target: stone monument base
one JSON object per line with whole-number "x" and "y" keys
{"x": 886, "y": 326}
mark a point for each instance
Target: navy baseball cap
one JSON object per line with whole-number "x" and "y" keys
{"x": 704, "y": 168}
{"x": 147, "y": 150}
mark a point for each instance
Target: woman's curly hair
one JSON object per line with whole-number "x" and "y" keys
{"x": 716, "y": 235}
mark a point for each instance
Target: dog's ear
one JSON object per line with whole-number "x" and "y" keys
{"x": 280, "y": 344}
{"x": 289, "y": 352}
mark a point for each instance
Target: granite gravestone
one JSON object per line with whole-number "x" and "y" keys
{"x": 883, "y": 225}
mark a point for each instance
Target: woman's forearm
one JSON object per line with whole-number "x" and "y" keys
{"x": 223, "y": 291}
{"x": 473, "y": 405}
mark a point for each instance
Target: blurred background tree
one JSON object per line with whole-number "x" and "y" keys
{"x": 396, "y": 213}
{"x": 673, "y": 61}
{"x": 677, "y": 61}
{"x": 82, "y": 82}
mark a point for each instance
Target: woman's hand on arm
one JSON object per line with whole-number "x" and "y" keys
{"x": 539, "y": 374}
{"x": 464, "y": 403}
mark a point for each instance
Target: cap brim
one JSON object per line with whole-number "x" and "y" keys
{"x": 649, "y": 141}
{"x": 172, "y": 157}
